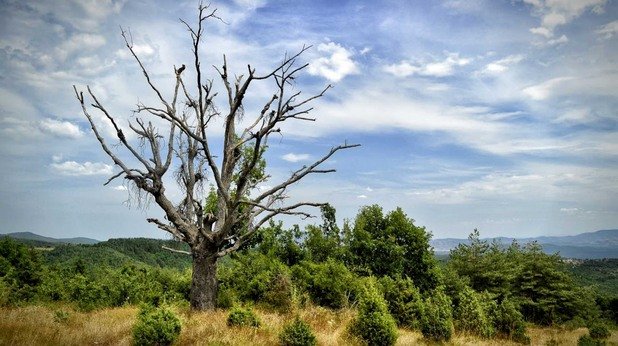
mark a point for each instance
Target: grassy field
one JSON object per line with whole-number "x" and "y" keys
{"x": 38, "y": 325}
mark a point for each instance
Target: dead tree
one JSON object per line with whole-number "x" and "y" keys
{"x": 216, "y": 225}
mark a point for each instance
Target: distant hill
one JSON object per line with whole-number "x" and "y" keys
{"x": 592, "y": 245}
{"x": 39, "y": 238}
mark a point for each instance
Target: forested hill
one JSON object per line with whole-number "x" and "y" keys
{"x": 116, "y": 252}
{"x": 592, "y": 245}
{"x": 35, "y": 239}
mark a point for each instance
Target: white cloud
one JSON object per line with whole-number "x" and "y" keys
{"x": 72, "y": 168}
{"x": 120, "y": 188}
{"x": 336, "y": 65}
{"x": 555, "y": 13}
{"x": 544, "y": 90}
{"x": 143, "y": 51}
{"x": 291, "y": 157}
{"x": 442, "y": 68}
{"x": 608, "y": 30}
{"x": 569, "y": 210}
{"x": 60, "y": 128}
{"x": 502, "y": 65}
{"x": 79, "y": 43}
{"x": 361, "y": 197}
{"x": 555, "y": 41}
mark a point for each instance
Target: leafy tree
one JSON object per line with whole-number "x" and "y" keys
{"x": 180, "y": 141}
{"x": 20, "y": 270}
{"x": 391, "y": 245}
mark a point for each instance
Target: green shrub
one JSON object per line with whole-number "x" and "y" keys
{"x": 156, "y": 326}
{"x": 587, "y": 340}
{"x": 404, "y": 301}
{"x": 373, "y": 325}
{"x": 437, "y": 317}
{"x": 330, "y": 284}
{"x": 599, "y": 331}
{"x": 297, "y": 333}
{"x": 510, "y": 322}
{"x": 61, "y": 316}
{"x": 473, "y": 313}
{"x": 240, "y": 317}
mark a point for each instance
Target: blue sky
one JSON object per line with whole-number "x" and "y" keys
{"x": 496, "y": 115}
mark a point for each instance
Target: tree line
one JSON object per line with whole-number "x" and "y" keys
{"x": 379, "y": 256}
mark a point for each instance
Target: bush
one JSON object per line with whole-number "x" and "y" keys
{"x": 473, "y": 313}
{"x": 240, "y": 317}
{"x": 156, "y": 326}
{"x": 297, "y": 333}
{"x": 374, "y": 325}
{"x": 437, "y": 317}
{"x": 329, "y": 284}
{"x": 510, "y": 322}
{"x": 587, "y": 340}
{"x": 599, "y": 331}
{"x": 404, "y": 301}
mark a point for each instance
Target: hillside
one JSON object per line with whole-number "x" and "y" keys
{"x": 33, "y": 238}
{"x": 592, "y": 245}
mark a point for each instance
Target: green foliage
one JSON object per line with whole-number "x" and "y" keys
{"x": 330, "y": 284}
{"x": 437, "y": 317}
{"x": 473, "y": 313}
{"x": 20, "y": 271}
{"x": 545, "y": 293}
{"x": 61, "y": 316}
{"x": 297, "y": 333}
{"x": 391, "y": 245}
{"x": 324, "y": 242}
{"x": 156, "y": 326}
{"x": 257, "y": 277}
{"x": 241, "y": 317}
{"x": 599, "y": 331}
{"x": 587, "y": 340}
{"x": 404, "y": 301}
{"x": 373, "y": 325}
{"x": 509, "y": 322}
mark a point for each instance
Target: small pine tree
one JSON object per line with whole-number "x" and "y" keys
{"x": 156, "y": 326}
{"x": 374, "y": 325}
{"x": 437, "y": 318}
{"x": 297, "y": 333}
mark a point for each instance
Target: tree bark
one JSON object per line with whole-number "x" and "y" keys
{"x": 204, "y": 283}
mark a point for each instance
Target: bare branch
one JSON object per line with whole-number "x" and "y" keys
{"x": 176, "y": 250}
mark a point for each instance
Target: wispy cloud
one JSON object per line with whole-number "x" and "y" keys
{"x": 292, "y": 157}
{"x": 441, "y": 68}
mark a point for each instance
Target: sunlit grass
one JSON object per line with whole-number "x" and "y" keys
{"x": 38, "y": 325}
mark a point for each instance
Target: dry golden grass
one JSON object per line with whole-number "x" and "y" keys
{"x": 37, "y": 325}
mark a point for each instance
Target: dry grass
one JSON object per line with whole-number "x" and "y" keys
{"x": 36, "y": 325}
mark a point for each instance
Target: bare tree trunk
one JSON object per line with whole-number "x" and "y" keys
{"x": 204, "y": 282}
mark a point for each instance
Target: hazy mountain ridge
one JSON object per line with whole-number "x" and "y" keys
{"x": 40, "y": 238}
{"x": 599, "y": 244}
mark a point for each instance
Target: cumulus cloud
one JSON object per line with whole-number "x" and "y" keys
{"x": 608, "y": 30}
{"x": 291, "y": 157}
{"x": 20, "y": 129}
{"x": 336, "y": 65}
{"x": 120, "y": 188}
{"x": 72, "y": 168}
{"x": 555, "y": 13}
{"x": 442, "y": 68}
{"x": 60, "y": 128}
